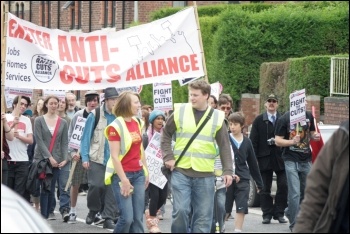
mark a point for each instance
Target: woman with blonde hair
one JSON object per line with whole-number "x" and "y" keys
{"x": 126, "y": 168}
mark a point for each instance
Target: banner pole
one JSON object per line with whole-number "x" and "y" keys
{"x": 200, "y": 41}
{"x": 3, "y": 62}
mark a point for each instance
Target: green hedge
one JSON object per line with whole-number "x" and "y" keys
{"x": 238, "y": 38}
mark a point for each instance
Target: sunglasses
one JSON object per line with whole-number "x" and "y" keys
{"x": 271, "y": 100}
{"x": 223, "y": 108}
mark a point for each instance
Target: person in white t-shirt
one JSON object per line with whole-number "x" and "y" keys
{"x": 18, "y": 165}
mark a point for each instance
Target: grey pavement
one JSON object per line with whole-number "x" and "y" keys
{"x": 252, "y": 222}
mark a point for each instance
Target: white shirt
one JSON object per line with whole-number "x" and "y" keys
{"x": 18, "y": 149}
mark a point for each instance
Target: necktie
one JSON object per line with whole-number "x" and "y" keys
{"x": 273, "y": 119}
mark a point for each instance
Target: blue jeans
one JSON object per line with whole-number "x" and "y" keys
{"x": 197, "y": 193}
{"x": 131, "y": 208}
{"x": 64, "y": 195}
{"x": 219, "y": 209}
{"x": 47, "y": 198}
{"x": 296, "y": 178}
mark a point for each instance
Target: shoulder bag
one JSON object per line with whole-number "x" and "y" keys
{"x": 166, "y": 171}
{"x": 42, "y": 175}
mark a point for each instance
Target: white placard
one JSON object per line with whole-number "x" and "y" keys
{"x": 297, "y": 107}
{"x": 11, "y": 93}
{"x": 75, "y": 139}
{"x": 162, "y": 96}
{"x": 160, "y": 51}
{"x": 61, "y": 94}
{"x": 155, "y": 161}
{"x": 216, "y": 89}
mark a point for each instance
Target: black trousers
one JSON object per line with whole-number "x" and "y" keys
{"x": 157, "y": 198}
{"x": 273, "y": 208}
{"x": 17, "y": 177}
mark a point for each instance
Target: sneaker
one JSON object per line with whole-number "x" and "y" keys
{"x": 52, "y": 216}
{"x": 83, "y": 193}
{"x": 152, "y": 225}
{"x": 98, "y": 219}
{"x": 160, "y": 215}
{"x": 72, "y": 218}
{"x": 109, "y": 225}
{"x": 90, "y": 217}
{"x": 65, "y": 215}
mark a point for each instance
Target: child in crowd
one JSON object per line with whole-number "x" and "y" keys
{"x": 246, "y": 165}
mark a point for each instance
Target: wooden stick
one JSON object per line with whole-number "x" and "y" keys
{"x": 297, "y": 128}
{"x": 314, "y": 115}
{"x": 200, "y": 41}
{"x": 71, "y": 173}
{"x": 3, "y": 62}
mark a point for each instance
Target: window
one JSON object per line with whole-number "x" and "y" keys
{"x": 17, "y": 9}
{"x": 22, "y": 10}
{"x": 179, "y": 3}
{"x": 105, "y": 21}
{"x": 72, "y": 18}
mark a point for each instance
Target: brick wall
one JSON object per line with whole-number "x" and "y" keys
{"x": 314, "y": 100}
{"x": 250, "y": 106}
{"x": 336, "y": 109}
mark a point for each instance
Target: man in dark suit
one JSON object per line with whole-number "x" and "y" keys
{"x": 270, "y": 160}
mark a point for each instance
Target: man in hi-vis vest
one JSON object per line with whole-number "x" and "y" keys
{"x": 193, "y": 180}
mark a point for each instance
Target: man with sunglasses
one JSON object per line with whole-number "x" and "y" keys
{"x": 269, "y": 158}
{"x": 18, "y": 164}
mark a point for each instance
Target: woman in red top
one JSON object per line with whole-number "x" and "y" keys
{"x": 131, "y": 178}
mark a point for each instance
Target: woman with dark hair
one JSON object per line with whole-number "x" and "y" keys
{"x": 44, "y": 130}
{"x": 157, "y": 195}
{"x": 212, "y": 101}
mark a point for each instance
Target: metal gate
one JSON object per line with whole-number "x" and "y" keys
{"x": 339, "y": 76}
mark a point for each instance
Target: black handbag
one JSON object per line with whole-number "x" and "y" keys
{"x": 166, "y": 171}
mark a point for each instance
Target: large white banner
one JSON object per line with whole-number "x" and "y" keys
{"x": 155, "y": 161}
{"x": 297, "y": 107}
{"x": 163, "y": 50}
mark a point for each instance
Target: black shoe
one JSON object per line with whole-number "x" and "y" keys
{"x": 266, "y": 220}
{"x": 281, "y": 220}
{"x": 98, "y": 219}
{"x": 109, "y": 224}
{"x": 65, "y": 215}
{"x": 90, "y": 217}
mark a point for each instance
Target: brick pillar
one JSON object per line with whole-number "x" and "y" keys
{"x": 336, "y": 109}
{"x": 314, "y": 100}
{"x": 250, "y": 106}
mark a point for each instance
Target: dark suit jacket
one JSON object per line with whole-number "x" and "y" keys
{"x": 269, "y": 157}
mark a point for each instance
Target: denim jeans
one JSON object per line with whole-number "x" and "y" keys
{"x": 296, "y": 178}
{"x": 47, "y": 198}
{"x": 219, "y": 209}
{"x": 64, "y": 195}
{"x": 197, "y": 193}
{"x": 131, "y": 208}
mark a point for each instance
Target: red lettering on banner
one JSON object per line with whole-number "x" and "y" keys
{"x": 74, "y": 49}
{"x": 104, "y": 46}
{"x": 84, "y": 74}
{"x": 63, "y": 49}
{"x": 163, "y": 67}
{"x": 183, "y": 66}
{"x": 111, "y": 71}
{"x": 28, "y": 34}
{"x": 78, "y": 49}
{"x": 130, "y": 75}
{"x": 173, "y": 65}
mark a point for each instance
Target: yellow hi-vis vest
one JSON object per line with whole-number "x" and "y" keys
{"x": 200, "y": 155}
{"x": 125, "y": 145}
